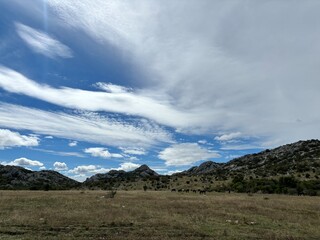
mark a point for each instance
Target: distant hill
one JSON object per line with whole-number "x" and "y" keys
{"x": 14, "y": 177}
{"x": 292, "y": 168}
{"x": 111, "y": 178}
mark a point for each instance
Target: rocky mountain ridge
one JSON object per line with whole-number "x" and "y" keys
{"x": 300, "y": 160}
{"x": 15, "y": 177}
{"x": 295, "y": 158}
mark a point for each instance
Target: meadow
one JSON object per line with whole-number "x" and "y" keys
{"x": 156, "y": 215}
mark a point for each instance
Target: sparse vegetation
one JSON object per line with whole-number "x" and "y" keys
{"x": 156, "y": 215}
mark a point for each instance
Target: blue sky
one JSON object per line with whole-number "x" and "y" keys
{"x": 100, "y": 85}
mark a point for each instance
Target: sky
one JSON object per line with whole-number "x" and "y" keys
{"x": 96, "y": 85}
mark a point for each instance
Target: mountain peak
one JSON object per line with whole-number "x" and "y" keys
{"x": 143, "y": 167}
{"x": 144, "y": 171}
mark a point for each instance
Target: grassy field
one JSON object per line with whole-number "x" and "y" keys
{"x": 156, "y": 215}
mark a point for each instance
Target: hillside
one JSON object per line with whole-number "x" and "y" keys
{"x": 14, "y": 177}
{"x": 301, "y": 159}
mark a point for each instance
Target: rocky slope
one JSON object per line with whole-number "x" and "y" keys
{"x": 14, "y": 177}
{"x": 204, "y": 168}
{"x": 301, "y": 159}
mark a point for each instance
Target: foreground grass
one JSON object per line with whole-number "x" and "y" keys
{"x": 156, "y": 215}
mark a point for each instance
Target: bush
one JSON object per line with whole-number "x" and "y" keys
{"x": 112, "y": 193}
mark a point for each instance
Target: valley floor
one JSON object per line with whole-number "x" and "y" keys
{"x": 156, "y": 215}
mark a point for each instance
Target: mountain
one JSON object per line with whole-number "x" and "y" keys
{"x": 301, "y": 159}
{"x": 14, "y": 177}
{"x": 204, "y": 168}
{"x": 144, "y": 172}
{"x": 115, "y": 178}
{"x": 141, "y": 172}
{"x": 292, "y": 168}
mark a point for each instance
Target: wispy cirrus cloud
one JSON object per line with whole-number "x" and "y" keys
{"x": 112, "y": 88}
{"x": 88, "y": 127}
{"x": 42, "y": 43}
{"x": 222, "y": 66}
{"x": 60, "y": 153}
{"x": 118, "y": 101}
{"x": 133, "y": 151}
{"x": 229, "y": 136}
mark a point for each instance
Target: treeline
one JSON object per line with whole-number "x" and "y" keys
{"x": 283, "y": 185}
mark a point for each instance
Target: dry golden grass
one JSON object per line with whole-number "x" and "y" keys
{"x": 156, "y": 215}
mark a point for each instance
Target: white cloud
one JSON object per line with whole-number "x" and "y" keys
{"x": 88, "y": 127}
{"x": 128, "y": 166}
{"x": 60, "y": 166}
{"x": 228, "y": 137}
{"x": 133, "y": 158}
{"x": 133, "y": 151}
{"x": 15, "y": 139}
{"x": 116, "y": 155}
{"x": 240, "y": 66}
{"x": 112, "y": 88}
{"x": 185, "y": 154}
{"x": 73, "y": 144}
{"x": 42, "y": 168}
{"x": 24, "y": 162}
{"x": 42, "y": 43}
{"x": 243, "y": 146}
{"x": 102, "y": 152}
{"x": 203, "y": 141}
{"x": 247, "y": 66}
{"x": 48, "y": 137}
{"x": 60, "y": 153}
{"x": 87, "y": 170}
{"x": 131, "y": 103}
{"x": 79, "y": 177}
